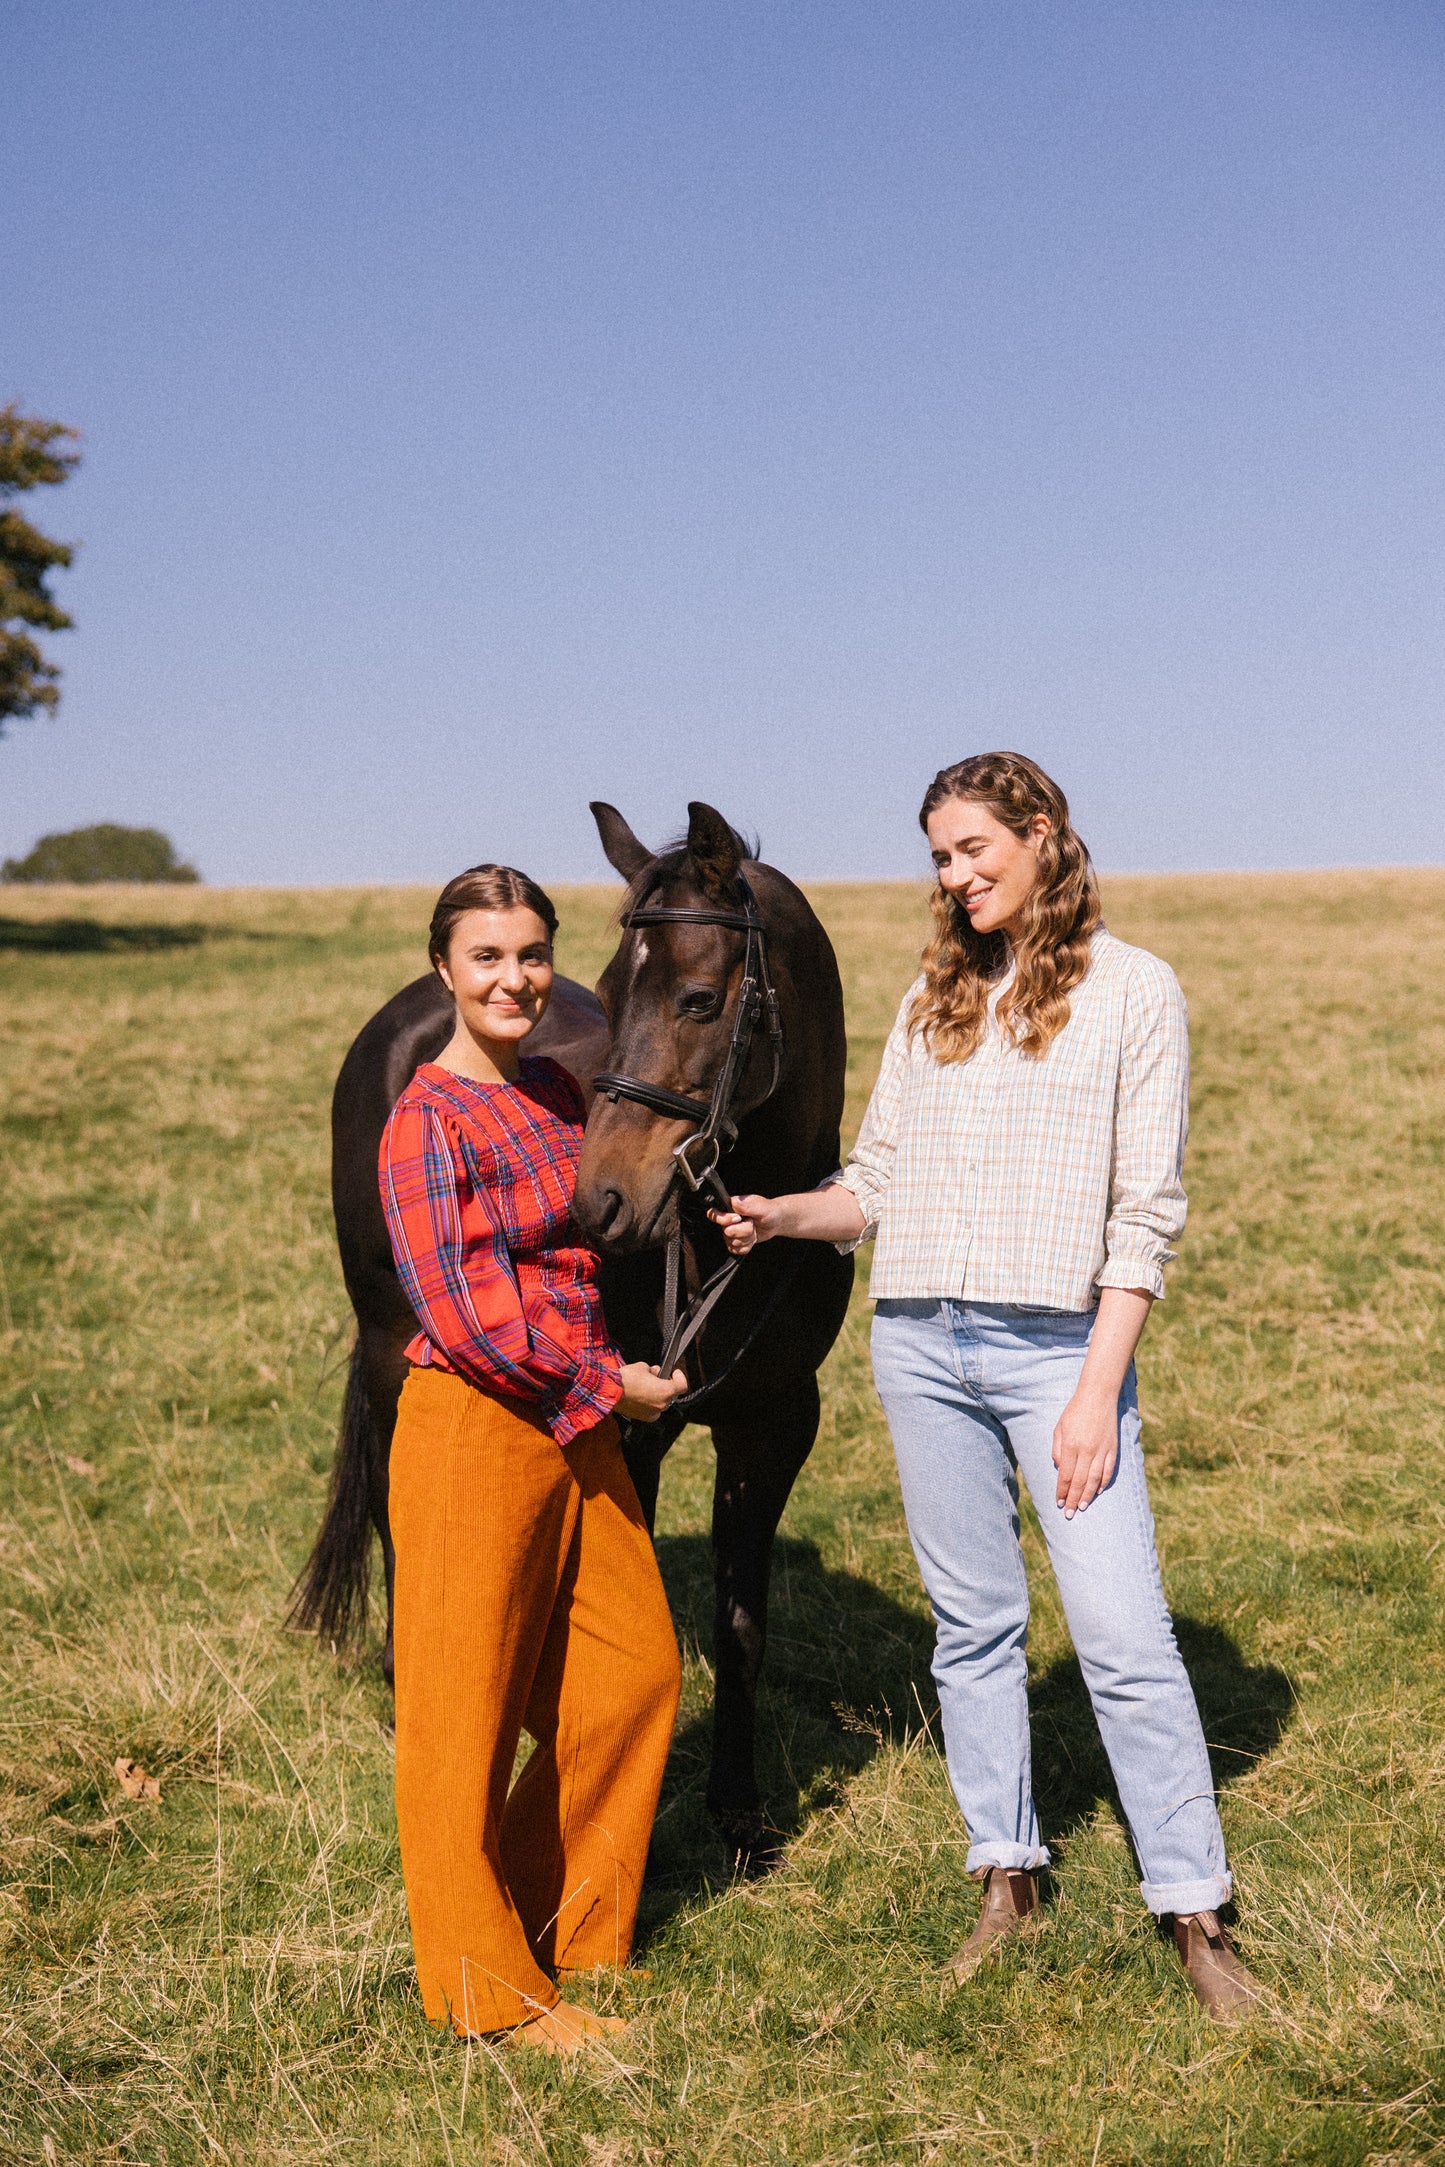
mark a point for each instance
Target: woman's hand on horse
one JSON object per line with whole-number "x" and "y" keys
{"x": 646, "y": 1393}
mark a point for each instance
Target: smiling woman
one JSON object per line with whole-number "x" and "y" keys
{"x": 527, "y": 1593}
{"x": 491, "y": 946}
{"x": 1021, "y": 1162}
{"x": 1007, "y": 856}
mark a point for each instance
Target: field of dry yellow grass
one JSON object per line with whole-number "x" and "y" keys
{"x": 223, "y": 1974}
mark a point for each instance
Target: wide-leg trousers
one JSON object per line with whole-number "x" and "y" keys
{"x": 527, "y": 1598}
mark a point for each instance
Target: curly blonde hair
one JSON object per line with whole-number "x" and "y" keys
{"x": 1051, "y": 950}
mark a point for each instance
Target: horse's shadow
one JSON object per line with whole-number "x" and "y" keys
{"x": 848, "y": 1671}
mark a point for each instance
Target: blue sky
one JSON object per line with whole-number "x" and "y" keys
{"x": 490, "y": 407}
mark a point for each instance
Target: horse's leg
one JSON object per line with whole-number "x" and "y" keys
{"x": 384, "y": 1366}
{"x": 758, "y": 1458}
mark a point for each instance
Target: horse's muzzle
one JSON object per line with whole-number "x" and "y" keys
{"x": 616, "y": 1222}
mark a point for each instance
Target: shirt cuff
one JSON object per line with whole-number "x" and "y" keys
{"x": 591, "y": 1397}
{"x": 1136, "y": 1267}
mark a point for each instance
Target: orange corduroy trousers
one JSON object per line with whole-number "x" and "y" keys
{"x": 527, "y": 1598}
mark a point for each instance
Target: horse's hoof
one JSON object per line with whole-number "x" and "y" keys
{"x": 753, "y": 1849}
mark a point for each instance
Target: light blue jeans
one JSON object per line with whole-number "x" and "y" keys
{"x": 972, "y": 1392}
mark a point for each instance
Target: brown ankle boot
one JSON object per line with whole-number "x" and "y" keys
{"x": 1009, "y": 1898}
{"x": 1226, "y": 1989}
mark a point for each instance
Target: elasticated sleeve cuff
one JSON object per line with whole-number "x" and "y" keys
{"x": 593, "y": 1394}
{"x": 1141, "y": 1266}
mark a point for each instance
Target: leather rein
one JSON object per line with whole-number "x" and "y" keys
{"x": 714, "y": 1124}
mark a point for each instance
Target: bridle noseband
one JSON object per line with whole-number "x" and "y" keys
{"x": 713, "y": 1119}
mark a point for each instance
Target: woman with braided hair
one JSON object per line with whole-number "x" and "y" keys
{"x": 1020, "y": 1163}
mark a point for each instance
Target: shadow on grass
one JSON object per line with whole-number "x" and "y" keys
{"x": 848, "y": 1672}
{"x": 1244, "y": 1708}
{"x": 843, "y": 1659}
{"x": 92, "y": 936}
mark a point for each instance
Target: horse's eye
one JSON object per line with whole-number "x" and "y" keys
{"x": 698, "y": 1001}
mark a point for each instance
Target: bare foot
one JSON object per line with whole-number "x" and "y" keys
{"x": 565, "y": 2028}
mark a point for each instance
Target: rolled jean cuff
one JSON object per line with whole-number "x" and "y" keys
{"x": 1184, "y": 1896}
{"x": 1017, "y": 1857}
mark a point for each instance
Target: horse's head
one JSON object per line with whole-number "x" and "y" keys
{"x": 671, "y": 994}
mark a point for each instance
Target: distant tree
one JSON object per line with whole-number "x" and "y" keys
{"x": 106, "y": 852}
{"x": 33, "y": 453}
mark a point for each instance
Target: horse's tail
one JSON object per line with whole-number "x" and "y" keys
{"x": 330, "y": 1594}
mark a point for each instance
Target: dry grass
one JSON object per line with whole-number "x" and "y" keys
{"x": 225, "y": 1975}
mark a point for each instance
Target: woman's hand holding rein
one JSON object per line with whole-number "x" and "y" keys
{"x": 825, "y": 1215}
{"x": 816, "y": 1215}
{"x": 646, "y": 1393}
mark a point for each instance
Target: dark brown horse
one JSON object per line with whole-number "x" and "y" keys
{"x": 669, "y": 1008}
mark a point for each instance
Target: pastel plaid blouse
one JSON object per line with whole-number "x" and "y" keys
{"x": 477, "y": 1182}
{"x": 1008, "y": 1179}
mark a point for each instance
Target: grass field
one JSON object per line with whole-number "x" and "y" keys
{"x": 225, "y": 1974}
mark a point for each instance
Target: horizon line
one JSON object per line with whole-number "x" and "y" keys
{"x": 817, "y": 880}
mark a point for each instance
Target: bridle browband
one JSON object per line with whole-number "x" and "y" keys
{"x": 713, "y": 1119}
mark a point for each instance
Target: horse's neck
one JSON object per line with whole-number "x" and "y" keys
{"x": 785, "y": 1143}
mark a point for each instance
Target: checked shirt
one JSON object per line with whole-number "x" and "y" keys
{"x": 1033, "y": 1181}
{"x": 477, "y": 1181}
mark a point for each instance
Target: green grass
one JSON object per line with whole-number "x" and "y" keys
{"x": 226, "y": 1975}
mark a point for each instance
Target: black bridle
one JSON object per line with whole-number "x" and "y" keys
{"x": 714, "y": 1122}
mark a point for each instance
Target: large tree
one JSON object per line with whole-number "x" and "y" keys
{"x": 33, "y": 453}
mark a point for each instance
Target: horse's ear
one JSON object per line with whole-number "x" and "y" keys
{"x": 621, "y": 846}
{"x": 714, "y": 848}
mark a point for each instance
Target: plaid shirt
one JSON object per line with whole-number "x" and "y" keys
{"x": 1037, "y": 1182}
{"x": 477, "y": 1182}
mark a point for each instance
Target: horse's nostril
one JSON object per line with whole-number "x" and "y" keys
{"x": 612, "y": 1212}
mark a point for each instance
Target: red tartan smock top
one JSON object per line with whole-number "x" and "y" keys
{"x": 477, "y": 1182}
